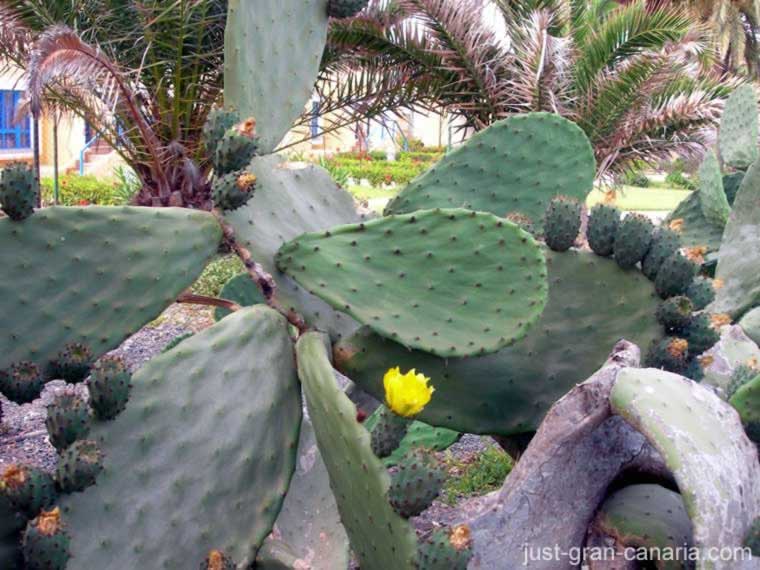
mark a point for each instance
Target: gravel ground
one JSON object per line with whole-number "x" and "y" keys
{"x": 23, "y": 438}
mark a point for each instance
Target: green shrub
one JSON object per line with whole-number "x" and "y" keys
{"x": 216, "y": 274}
{"x": 75, "y": 190}
{"x": 339, "y": 173}
{"x": 677, "y": 179}
{"x": 485, "y": 474}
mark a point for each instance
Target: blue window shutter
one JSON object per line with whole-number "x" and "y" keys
{"x": 13, "y": 136}
{"x": 314, "y": 119}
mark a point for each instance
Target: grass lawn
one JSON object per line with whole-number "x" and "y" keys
{"x": 629, "y": 198}
{"x": 643, "y": 199}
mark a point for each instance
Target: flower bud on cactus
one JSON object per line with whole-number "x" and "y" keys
{"x": 18, "y": 191}
{"x": 236, "y": 149}
{"x": 78, "y": 466}
{"x": 28, "y": 489}
{"x": 217, "y": 560}
{"x": 701, "y": 333}
{"x": 665, "y": 242}
{"x": 603, "y": 223}
{"x": 72, "y": 364}
{"x": 701, "y": 292}
{"x": 233, "y": 190}
{"x": 675, "y": 276}
{"x": 68, "y": 419}
{"x": 46, "y": 542}
{"x": 109, "y": 387}
{"x": 633, "y": 240}
{"x": 22, "y": 382}
{"x": 675, "y": 313}
{"x": 445, "y": 549}
{"x": 671, "y": 354}
{"x": 219, "y": 121}
{"x": 416, "y": 483}
{"x": 388, "y": 432}
{"x": 345, "y": 8}
{"x": 562, "y": 222}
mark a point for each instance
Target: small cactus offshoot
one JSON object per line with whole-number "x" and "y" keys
{"x": 27, "y": 488}
{"x": 18, "y": 191}
{"x": 22, "y": 382}
{"x": 218, "y": 560}
{"x": 72, "y": 364}
{"x": 109, "y": 387}
{"x": 68, "y": 419}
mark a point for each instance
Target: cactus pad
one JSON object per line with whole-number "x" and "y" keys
{"x": 750, "y": 322}
{"x": 72, "y": 364}
{"x": 515, "y": 165}
{"x": 738, "y": 128}
{"x": 737, "y": 258}
{"x": 592, "y": 304}
{"x": 95, "y": 275}
{"x": 309, "y": 524}
{"x": 646, "y": 517}
{"x": 746, "y": 400}
{"x": 702, "y": 443}
{"x": 225, "y": 401}
{"x": 701, "y": 292}
{"x": 272, "y": 51}
{"x": 693, "y": 228}
{"x": 287, "y": 203}
{"x": 233, "y": 153}
{"x": 712, "y": 197}
{"x": 675, "y": 313}
{"x": 242, "y": 290}
{"x": 392, "y": 275}
{"x": 218, "y": 122}
{"x": 379, "y": 537}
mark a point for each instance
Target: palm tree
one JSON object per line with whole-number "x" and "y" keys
{"x": 640, "y": 80}
{"x": 143, "y": 74}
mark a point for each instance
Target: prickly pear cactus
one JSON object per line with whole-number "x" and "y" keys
{"x": 592, "y": 304}
{"x": 241, "y": 290}
{"x": 737, "y": 258}
{"x": 491, "y": 274}
{"x": 515, "y": 165}
{"x": 751, "y": 324}
{"x": 227, "y": 403}
{"x": 739, "y": 128}
{"x": 272, "y": 51}
{"x": 95, "y": 275}
{"x": 746, "y": 400}
{"x": 645, "y": 517}
{"x": 380, "y": 538}
{"x": 418, "y": 435}
{"x": 308, "y": 528}
{"x": 712, "y": 197}
{"x": 288, "y": 202}
{"x": 691, "y": 427}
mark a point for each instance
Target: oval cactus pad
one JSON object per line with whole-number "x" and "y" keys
{"x": 480, "y": 292}
{"x": 514, "y": 166}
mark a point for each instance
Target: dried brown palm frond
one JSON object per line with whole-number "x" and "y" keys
{"x": 61, "y": 62}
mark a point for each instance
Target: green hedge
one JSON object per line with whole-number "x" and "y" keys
{"x": 380, "y": 171}
{"x": 75, "y": 190}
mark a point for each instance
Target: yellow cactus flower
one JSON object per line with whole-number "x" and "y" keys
{"x": 406, "y": 394}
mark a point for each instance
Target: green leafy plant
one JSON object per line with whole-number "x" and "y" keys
{"x": 484, "y": 474}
